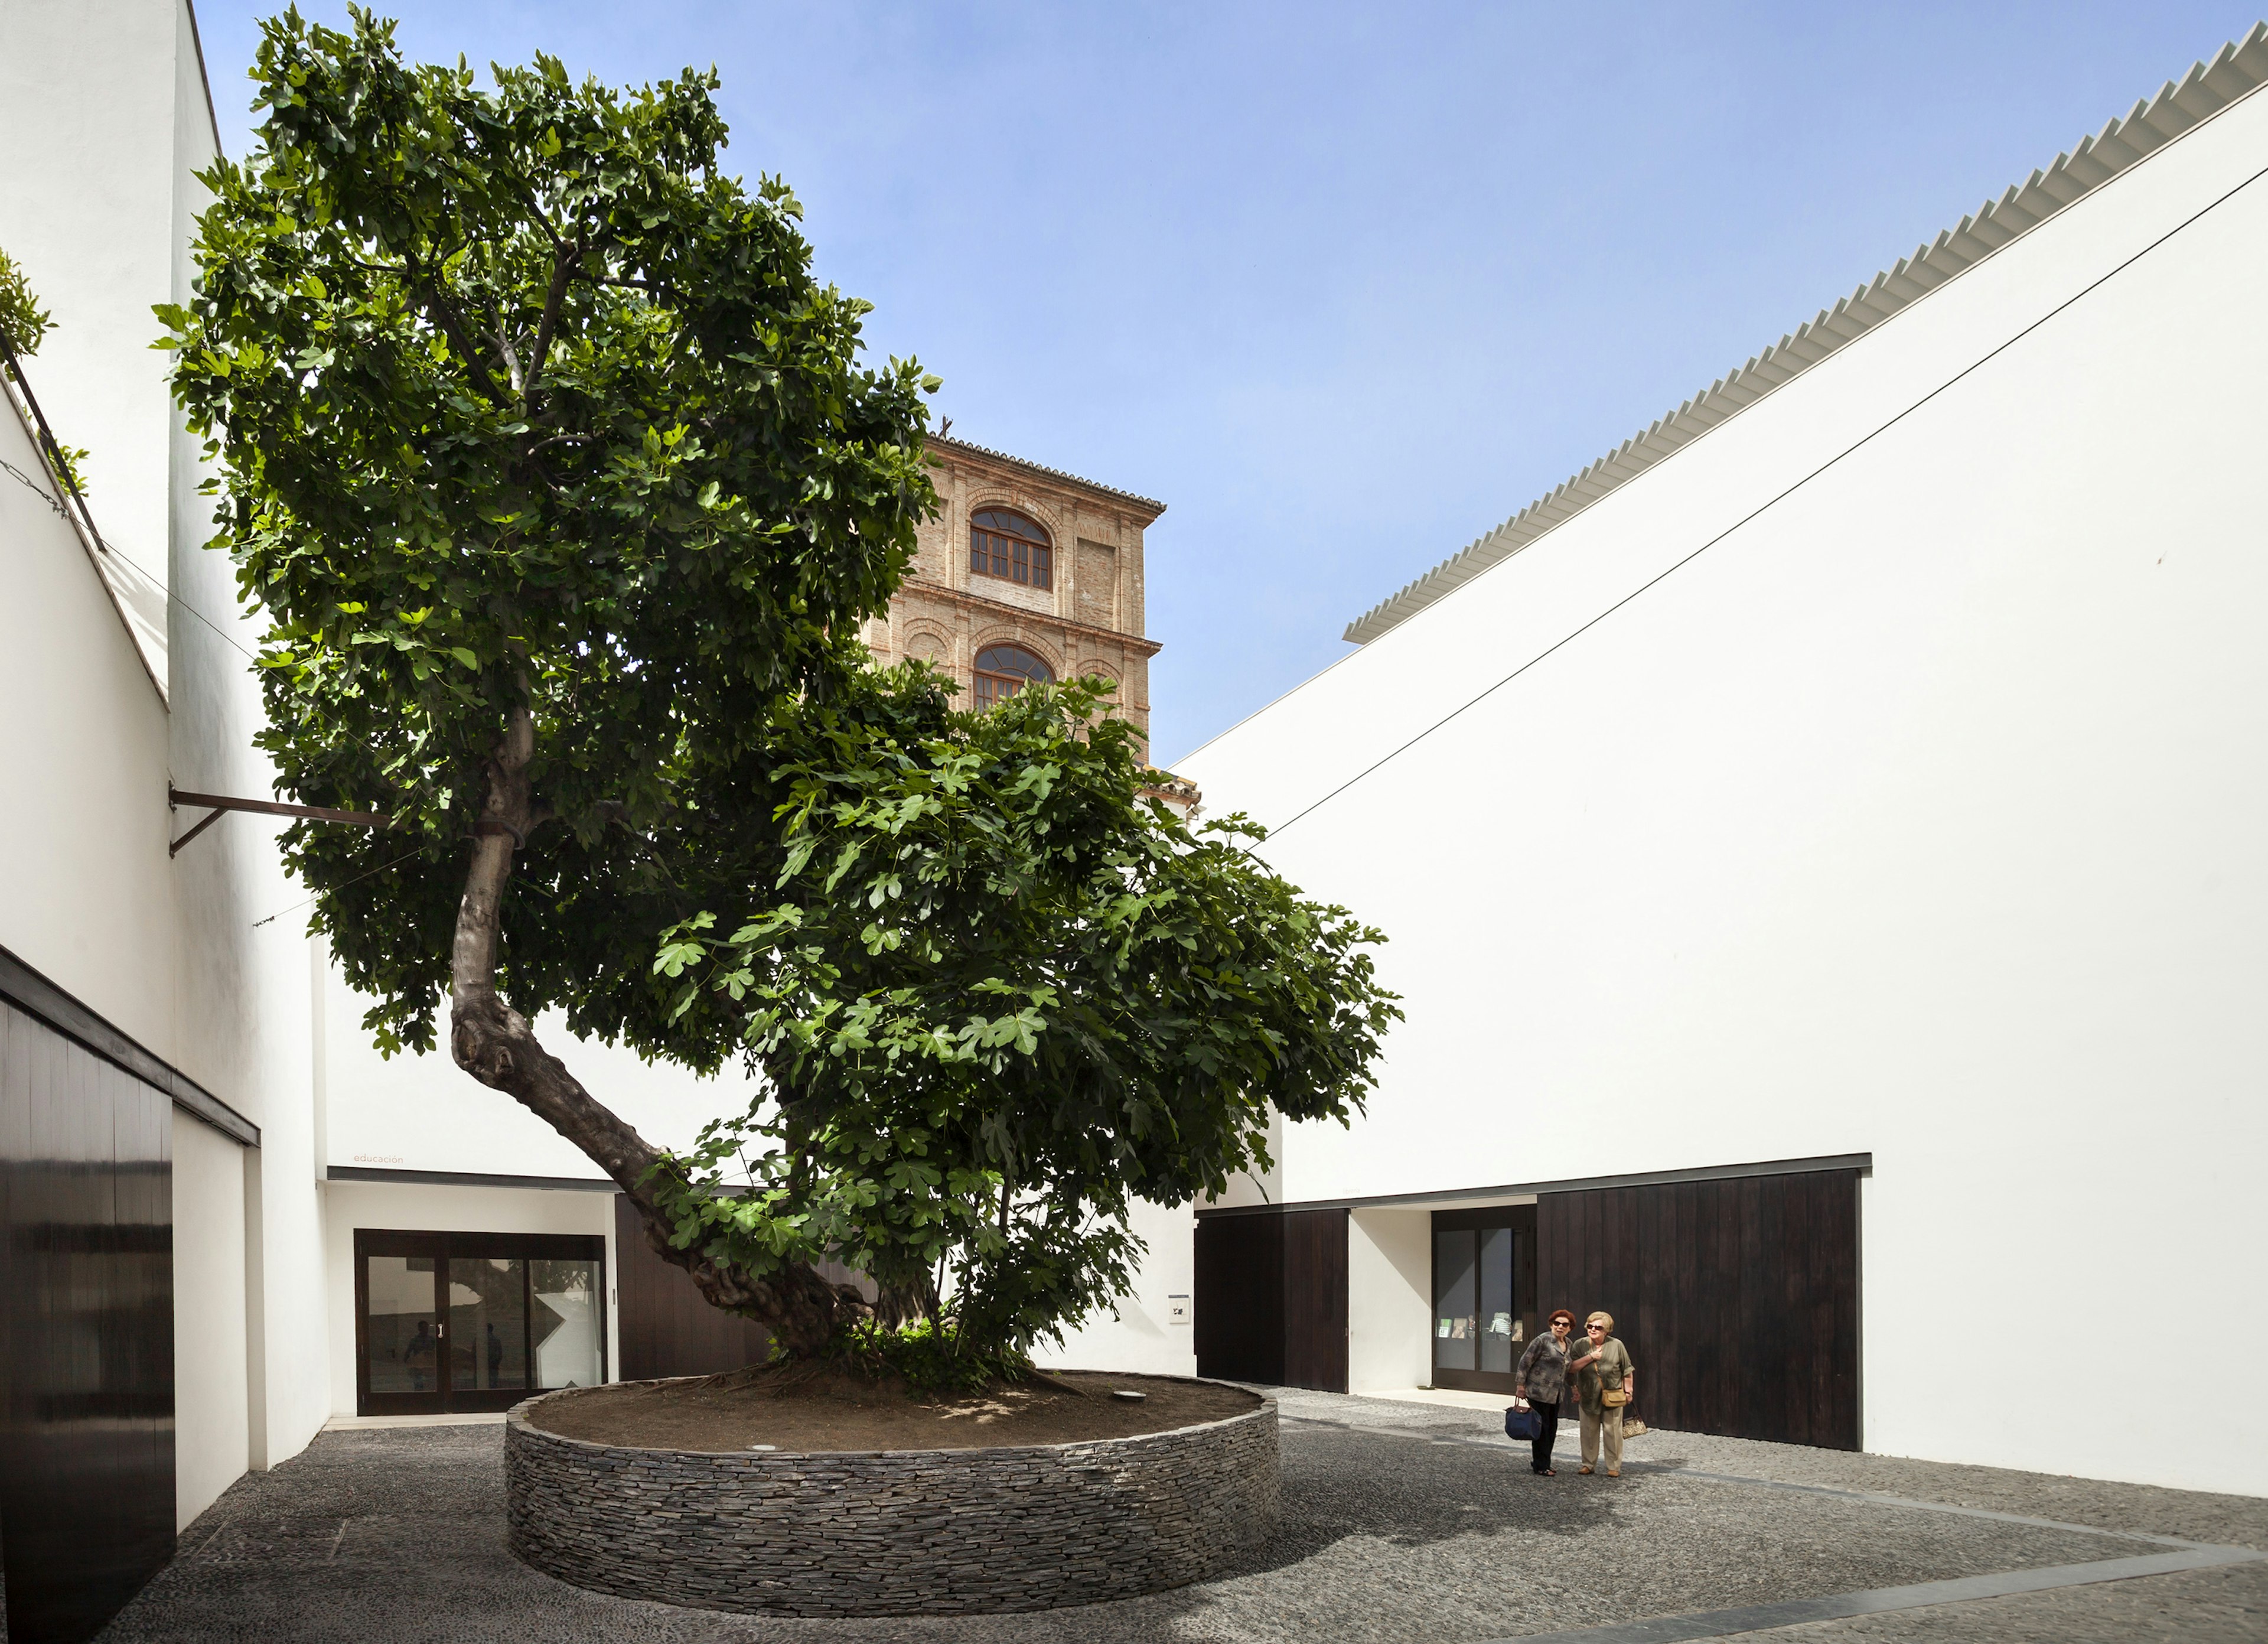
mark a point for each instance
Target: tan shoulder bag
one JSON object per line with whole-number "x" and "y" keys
{"x": 1614, "y": 1397}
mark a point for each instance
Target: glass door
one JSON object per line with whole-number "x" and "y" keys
{"x": 475, "y": 1321}
{"x": 488, "y": 1324}
{"x": 1484, "y": 1296}
{"x": 400, "y": 1327}
{"x": 569, "y": 1327}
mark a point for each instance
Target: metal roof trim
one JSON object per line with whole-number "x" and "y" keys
{"x": 2240, "y": 68}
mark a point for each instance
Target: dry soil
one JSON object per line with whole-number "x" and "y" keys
{"x": 842, "y": 1412}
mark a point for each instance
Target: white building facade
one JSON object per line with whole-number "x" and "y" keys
{"x": 158, "y": 1157}
{"x": 195, "y": 1132}
{"x": 1858, "y": 796}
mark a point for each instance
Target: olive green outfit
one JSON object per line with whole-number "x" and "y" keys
{"x": 1599, "y": 1421}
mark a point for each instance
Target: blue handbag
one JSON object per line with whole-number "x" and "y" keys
{"x": 1524, "y": 1425}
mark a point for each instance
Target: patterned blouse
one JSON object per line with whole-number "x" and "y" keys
{"x": 1544, "y": 1369}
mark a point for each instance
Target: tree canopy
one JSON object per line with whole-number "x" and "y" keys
{"x": 1004, "y": 993}
{"x": 566, "y": 489}
{"x": 522, "y": 404}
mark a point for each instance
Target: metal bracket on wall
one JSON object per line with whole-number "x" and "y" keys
{"x": 220, "y": 806}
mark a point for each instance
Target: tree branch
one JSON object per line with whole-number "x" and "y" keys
{"x": 511, "y": 359}
{"x": 438, "y": 310}
{"x": 562, "y": 272}
{"x": 555, "y": 439}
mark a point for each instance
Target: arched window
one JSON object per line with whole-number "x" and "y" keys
{"x": 1004, "y": 670}
{"x": 1004, "y": 544}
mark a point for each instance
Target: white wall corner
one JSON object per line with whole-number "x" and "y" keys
{"x": 1389, "y": 1302}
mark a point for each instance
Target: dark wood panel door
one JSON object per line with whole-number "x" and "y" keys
{"x": 667, "y": 1326}
{"x": 86, "y": 1332}
{"x": 1271, "y": 1298}
{"x": 1315, "y": 1299}
{"x": 1737, "y": 1299}
{"x": 1239, "y": 1298}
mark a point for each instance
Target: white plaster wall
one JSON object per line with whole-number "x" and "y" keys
{"x": 1145, "y": 1334}
{"x": 88, "y": 899}
{"x": 1259, "y": 1187}
{"x": 1919, "y": 815}
{"x": 88, "y": 111}
{"x": 425, "y": 1113}
{"x": 212, "y": 1416}
{"x": 1389, "y": 1299}
{"x": 103, "y": 108}
{"x": 87, "y": 97}
{"x": 352, "y": 1205}
{"x": 243, "y": 946}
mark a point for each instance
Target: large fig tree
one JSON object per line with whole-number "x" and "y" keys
{"x": 566, "y": 489}
{"x": 1001, "y": 990}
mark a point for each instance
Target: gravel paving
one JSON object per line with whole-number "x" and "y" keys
{"x": 2227, "y": 1606}
{"x": 1402, "y": 1522}
{"x": 2194, "y": 1515}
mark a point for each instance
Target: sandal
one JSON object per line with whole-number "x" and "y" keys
{"x": 1587, "y": 1470}
{"x": 1614, "y": 1472}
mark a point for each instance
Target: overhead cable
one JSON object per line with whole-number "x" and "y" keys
{"x": 1865, "y": 440}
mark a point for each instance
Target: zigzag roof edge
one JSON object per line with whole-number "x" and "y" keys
{"x": 2239, "y": 68}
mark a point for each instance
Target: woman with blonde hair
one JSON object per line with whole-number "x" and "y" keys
{"x": 1605, "y": 1379}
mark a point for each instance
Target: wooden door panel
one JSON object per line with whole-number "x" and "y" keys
{"x": 1737, "y": 1299}
{"x": 1315, "y": 1299}
{"x": 667, "y": 1327}
{"x": 1239, "y": 1298}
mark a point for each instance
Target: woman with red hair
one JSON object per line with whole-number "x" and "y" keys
{"x": 1542, "y": 1382}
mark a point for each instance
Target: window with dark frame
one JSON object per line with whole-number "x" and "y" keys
{"x": 475, "y": 1321}
{"x": 1003, "y": 670}
{"x": 1485, "y": 1307}
{"x": 1005, "y": 544}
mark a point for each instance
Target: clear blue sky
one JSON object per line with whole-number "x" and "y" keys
{"x": 1346, "y": 286}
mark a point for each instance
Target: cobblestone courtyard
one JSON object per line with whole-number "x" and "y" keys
{"x": 1401, "y": 1521}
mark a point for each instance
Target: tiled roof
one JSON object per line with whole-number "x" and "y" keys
{"x": 1150, "y": 503}
{"x": 2151, "y": 124}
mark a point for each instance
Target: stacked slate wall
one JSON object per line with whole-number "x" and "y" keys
{"x": 897, "y": 1532}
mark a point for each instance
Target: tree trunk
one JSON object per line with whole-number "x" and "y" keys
{"x": 897, "y": 1305}
{"x": 495, "y": 1045}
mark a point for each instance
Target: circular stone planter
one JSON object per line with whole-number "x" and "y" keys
{"x": 892, "y": 1532}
